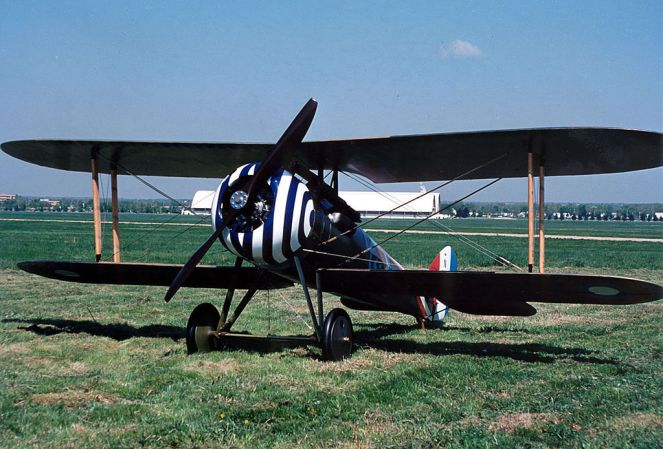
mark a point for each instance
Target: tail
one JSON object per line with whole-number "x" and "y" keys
{"x": 436, "y": 310}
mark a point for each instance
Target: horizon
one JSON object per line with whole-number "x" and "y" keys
{"x": 106, "y": 199}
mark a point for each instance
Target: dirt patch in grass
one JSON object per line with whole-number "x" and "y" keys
{"x": 285, "y": 382}
{"x": 74, "y": 399}
{"x": 467, "y": 318}
{"x": 514, "y": 421}
{"x": 638, "y": 421}
{"x": 553, "y": 319}
{"x": 355, "y": 445}
{"x": 374, "y": 423}
{"x": 91, "y": 432}
{"x": 370, "y": 358}
{"x": 13, "y": 349}
{"x": 329, "y": 384}
{"x": 213, "y": 368}
{"x": 51, "y": 365}
{"x": 26, "y": 347}
{"x": 351, "y": 364}
{"x": 81, "y": 429}
{"x": 504, "y": 341}
{"x": 78, "y": 368}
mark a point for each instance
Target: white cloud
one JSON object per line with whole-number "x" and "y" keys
{"x": 458, "y": 49}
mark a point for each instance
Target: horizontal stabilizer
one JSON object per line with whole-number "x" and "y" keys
{"x": 154, "y": 274}
{"x": 487, "y": 293}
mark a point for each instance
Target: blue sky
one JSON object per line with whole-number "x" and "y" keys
{"x": 207, "y": 71}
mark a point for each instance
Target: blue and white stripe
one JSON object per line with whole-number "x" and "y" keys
{"x": 285, "y": 229}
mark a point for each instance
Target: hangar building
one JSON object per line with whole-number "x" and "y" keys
{"x": 368, "y": 204}
{"x": 201, "y": 204}
{"x": 371, "y": 204}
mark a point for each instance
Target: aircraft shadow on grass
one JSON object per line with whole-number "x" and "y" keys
{"x": 372, "y": 335}
{"x": 117, "y": 331}
{"x": 525, "y": 352}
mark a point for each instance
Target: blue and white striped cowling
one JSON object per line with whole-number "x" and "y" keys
{"x": 285, "y": 228}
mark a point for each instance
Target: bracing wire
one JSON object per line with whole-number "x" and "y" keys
{"x": 440, "y": 186}
{"x": 474, "y": 192}
{"x": 146, "y": 183}
{"x": 165, "y": 195}
{"x": 341, "y": 256}
{"x": 472, "y": 244}
{"x": 294, "y": 310}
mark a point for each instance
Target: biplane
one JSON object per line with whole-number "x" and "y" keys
{"x": 276, "y": 211}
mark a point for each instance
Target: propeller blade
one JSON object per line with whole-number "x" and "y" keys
{"x": 291, "y": 137}
{"x": 188, "y": 267}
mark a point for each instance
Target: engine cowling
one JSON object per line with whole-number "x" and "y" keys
{"x": 275, "y": 226}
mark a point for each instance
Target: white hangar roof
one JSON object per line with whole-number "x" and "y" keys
{"x": 371, "y": 202}
{"x": 362, "y": 202}
{"x": 202, "y": 199}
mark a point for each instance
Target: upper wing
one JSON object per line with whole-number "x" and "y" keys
{"x": 564, "y": 151}
{"x": 485, "y": 293}
{"x": 154, "y": 274}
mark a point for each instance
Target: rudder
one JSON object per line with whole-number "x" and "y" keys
{"x": 445, "y": 260}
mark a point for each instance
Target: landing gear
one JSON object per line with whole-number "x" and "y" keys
{"x": 201, "y": 329}
{"x": 208, "y": 329}
{"x": 337, "y": 336}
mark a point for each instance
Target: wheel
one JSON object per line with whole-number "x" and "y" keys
{"x": 199, "y": 330}
{"x": 337, "y": 336}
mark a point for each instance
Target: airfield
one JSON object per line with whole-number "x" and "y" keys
{"x": 106, "y": 366}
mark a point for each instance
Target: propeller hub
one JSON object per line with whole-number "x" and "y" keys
{"x": 247, "y": 210}
{"x": 238, "y": 199}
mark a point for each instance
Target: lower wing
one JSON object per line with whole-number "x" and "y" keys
{"x": 487, "y": 293}
{"x": 155, "y": 274}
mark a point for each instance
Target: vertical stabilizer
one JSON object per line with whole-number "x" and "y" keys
{"x": 445, "y": 260}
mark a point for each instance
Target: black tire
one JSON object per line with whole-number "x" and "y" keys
{"x": 202, "y": 322}
{"x": 337, "y": 336}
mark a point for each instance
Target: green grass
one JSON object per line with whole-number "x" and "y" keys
{"x": 106, "y": 366}
{"x": 172, "y": 238}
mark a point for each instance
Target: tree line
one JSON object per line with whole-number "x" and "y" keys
{"x": 553, "y": 211}
{"x": 34, "y": 204}
{"x": 566, "y": 211}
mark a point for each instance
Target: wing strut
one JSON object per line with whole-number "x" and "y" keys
{"x": 116, "y": 215}
{"x": 230, "y": 293}
{"x": 530, "y": 209}
{"x": 309, "y": 303}
{"x": 542, "y": 216}
{"x": 96, "y": 207}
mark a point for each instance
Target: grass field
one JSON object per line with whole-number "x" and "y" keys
{"x": 106, "y": 366}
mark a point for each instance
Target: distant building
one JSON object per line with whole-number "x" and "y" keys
{"x": 7, "y": 197}
{"x": 50, "y": 203}
{"x": 201, "y": 204}
{"x": 368, "y": 204}
{"x": 371, "y": 204}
